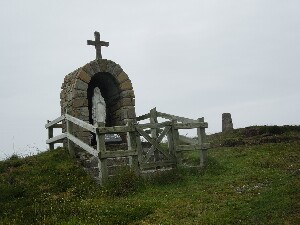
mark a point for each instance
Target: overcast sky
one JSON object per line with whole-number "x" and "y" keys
{"x": 190, "y": 58}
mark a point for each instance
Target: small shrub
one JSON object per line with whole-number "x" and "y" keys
{"x": 123, "y": 183}
{"x": 270, "y": 130}
{"x": 11, "y": 191}
{"x": 232, "y": 142}
{"x": 166, "y": 177}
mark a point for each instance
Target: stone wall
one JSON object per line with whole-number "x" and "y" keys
{"x": 116, "y": 88}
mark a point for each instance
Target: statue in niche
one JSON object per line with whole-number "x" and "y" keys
{"x": 99, "y": 107}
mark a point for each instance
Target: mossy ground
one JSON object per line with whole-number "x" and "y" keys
{"x": 246, "y": 184}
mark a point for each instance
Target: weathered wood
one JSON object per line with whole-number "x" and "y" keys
{"x": 71, "y": 146}
{"x": 143, "y": 117}
{"x": 175, "y": 134}
{"x": 50, "y": 135}
{"x": 117, "y": 153}
{"x": 58, "y": 126}
{"x": 114, "y": 130}
{"x": 193, "y": 147}
{"x": 178, "y": 118}
{"x": 188, "y": 147}
{"x": 56, "y": 139}
{"x": 154, "y": 143}
{"x": 191, "y": 125}
{"x": 158, "y": 140}
{"x": 101, "y": 149}
{"x": 133, "y": 146}
{"x": 201, "y": 141}
{"x": 171, "y": 144}
{"x": 153, "y": 120}
{"x": 81, "y": 123}
{"x": 82, "y": 145}
{"x": 53, "y": 122}
{"x": 187, "y": 140}
{"x": 150, "y": 125}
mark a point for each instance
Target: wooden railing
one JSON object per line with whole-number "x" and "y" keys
{"x": 189, "y": 144}
{"x": 158, "y": 155}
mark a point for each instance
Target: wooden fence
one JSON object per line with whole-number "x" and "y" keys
{"x": 157, "y": 155}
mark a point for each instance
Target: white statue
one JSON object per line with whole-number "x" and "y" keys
{"x": 99, "y": 107}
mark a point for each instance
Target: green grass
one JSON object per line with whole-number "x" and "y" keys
{"x": 246, "y": 184}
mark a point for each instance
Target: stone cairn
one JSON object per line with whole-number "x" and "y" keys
{"x": 227, "y": 124}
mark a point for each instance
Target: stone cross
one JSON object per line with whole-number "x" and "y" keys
{"x": 98, "y": 44}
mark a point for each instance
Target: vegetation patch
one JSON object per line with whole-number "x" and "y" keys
{"x": 242, "y": 184}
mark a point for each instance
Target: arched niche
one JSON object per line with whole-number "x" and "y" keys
{"x": 115, "y": 87}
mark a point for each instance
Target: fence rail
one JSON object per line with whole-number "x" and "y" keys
{"x": 162, "y": 155}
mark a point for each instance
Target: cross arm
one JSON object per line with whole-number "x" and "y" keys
{"x": 89, "y": 42}
{"x": 104, "y": 43}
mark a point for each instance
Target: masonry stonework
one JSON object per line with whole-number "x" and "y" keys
{"x": 227, "y": 124}
{"x": 115, "y": 86}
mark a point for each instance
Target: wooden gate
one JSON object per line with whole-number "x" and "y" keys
{"x": 158, "y": 154}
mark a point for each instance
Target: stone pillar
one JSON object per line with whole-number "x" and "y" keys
{"x": 227, "y": 124}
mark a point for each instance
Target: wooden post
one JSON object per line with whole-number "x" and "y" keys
{"x": 138, "y": 146}
{"x": 50, "y": 135}
{"x": 201, "y": 142}
{"x": 102, "y": 162}
{"x": 175, "y": 135}
{"x": 71, "y": 145}
{"x": 132, "y": 145}
{"x": 171, "y": 143}
{"x": 153, "y": 119}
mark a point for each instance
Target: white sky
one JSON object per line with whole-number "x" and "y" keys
{"x": 190, "y": 58}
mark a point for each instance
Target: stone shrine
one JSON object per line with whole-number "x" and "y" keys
{"x": 227, "y": 124}
{"x": 99, "y": 91}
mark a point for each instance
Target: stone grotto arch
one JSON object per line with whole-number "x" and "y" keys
{"x": 115, "y": 87}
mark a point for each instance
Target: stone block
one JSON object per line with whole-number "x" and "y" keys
{"x": 126, "y": 102}
{"x": 126, "y": 85}
{"x": 79, "y": 94}
{"x": 127, "y": 94}
{"x": 83, "y": 134}
{"x": 80, "y": 85}
{"x": 84, "y": 111}
{"x": 110, "y": 66}
{"x": 102, "y": 64}
{"x": 123, "y": 114}
{"x": 131, "y": 113}
{"x": 88, "y": 69}
{"x": 84, "y": 76}
{"x": 122, "y": 77}
{"x": 80, "y": 102}
{"x": 117, "y": 70}
{"x": 83, "y": 118}
{"x": 95, "y": 66}
{"x": 62, "y": 95}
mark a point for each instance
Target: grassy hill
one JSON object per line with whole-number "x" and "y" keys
{"x": 253, "y": 177}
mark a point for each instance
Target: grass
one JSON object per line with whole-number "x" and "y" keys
{"x": 245, "y": 184}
